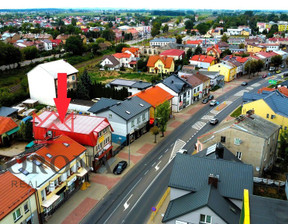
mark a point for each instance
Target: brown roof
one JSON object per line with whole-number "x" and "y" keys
{"x": 203, "y": 78}
{"x": 194, "y": 80}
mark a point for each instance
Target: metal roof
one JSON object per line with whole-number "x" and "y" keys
{"x": 141, "y": 85}
{"x": 268, "y": 210}
{"x": 103, "y": 104}
{"x": 175, "y": 83}
{"x": 206, "y": 196}
{"x": 122, "y": 82}
{"x": 6, "y": 111}
{"x": 163, "y": 40}
{"x": 130, "y": 108}
{"x": 191, "y": 173}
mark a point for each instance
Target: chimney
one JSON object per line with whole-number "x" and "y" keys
{"x": 213, "y": 180}
{"x": 219, "y": 151}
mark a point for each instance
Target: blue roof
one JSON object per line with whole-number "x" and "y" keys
{"x": 103, "y": 104}
{"x": 163, "y": 40}
{"x": 176, "y": 84}
{"x": 141, "y": 85}
{"x": 6, "y": 111}
{"x": 275, "y": 100}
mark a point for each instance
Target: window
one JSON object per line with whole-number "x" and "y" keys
{"x": 198, "y": 88}
{"x": 223, "y": 139}
{"x": 205, "y": 219}
{"x": 26, "y": 208}
{"x": 143, "y": 117}
{"x": 17, "y": 215}
{"x": 239, "y": 155}
{"x": 43, "y": 194}
{"x": 73, "y": 77}
{"x": 138, "y": 120}
{"x": 47, "y": 190}
{"x": 267, "y": 116}
{"x": 272, "y": 116}
{"x": 132, "y": 123}
{"x": 68, "y": 173}
{"x": 110, "y": 116}
{"x": 237, "y": 141}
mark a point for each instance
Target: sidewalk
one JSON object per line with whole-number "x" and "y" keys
{"x": 79, "y": 205}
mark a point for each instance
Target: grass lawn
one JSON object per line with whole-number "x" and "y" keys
{"x": 236, "y": 112}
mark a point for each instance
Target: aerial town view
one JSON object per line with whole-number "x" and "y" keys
{"x": 143, "y": 112}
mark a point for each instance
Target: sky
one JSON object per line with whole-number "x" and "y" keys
{"x": 147, "y": 4}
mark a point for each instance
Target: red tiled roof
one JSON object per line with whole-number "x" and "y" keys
{"x": 214, "y": 48}
{"x": 241, "y": 60}
{"x": 122, "y": 55}
{"x": 6, "y": 124}
{"x": 65, "y": 154}
{"x": 194, "y": 41}
{"x": 133, "y": 50}
{"x": 173, "y": 52}
{"x": 265, "y": 89}
{"x": 13, "y": 192}
{"x": 154, "y": 96}
{"x": 267, "y": 54}
{"x": 281, "y": 89}
{"x": 203, "y": 58}
{"x": 167, "y": 61}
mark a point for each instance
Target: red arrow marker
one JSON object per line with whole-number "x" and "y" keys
{"x": 62, "y": 102}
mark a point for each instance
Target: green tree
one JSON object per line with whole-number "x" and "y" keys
{"x": 75, "y": 45}
{"x": 30, "y": 52}
{"x": 251, "y": 67}
{"x": 73, "y": 22}
{"x": 283, "y": 148}
{"x": 241, "y": 46}
{"x": 95, "y": 48}
{"x": 84, "y": 87}
{"x": 25, "y": 132}
{"x": 224, "y": 38}
{"x": 274, "y": 29}
{"x": 225, "y": 52}
{"x": 276, "y": 60}
{"x": 203, "y": 28}
{"x": 155, "y": 132}
{"x": 189, "y": 53}
{"x": 198, "y": 50}
{"x": 165, "y": 28}
{"x": 189, "y": 24}
{"x": 108, "y": 34}
{"x": 162, "y": 116}
{"x": 178, "y": 39}
{"x": 100, "y": 40}
{"x": 119, "y": 47}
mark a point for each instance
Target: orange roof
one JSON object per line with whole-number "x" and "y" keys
{"x": 283, "y": 90}
{"x": 154, "y": 96}
{"x": 194, "y": 42}
{"x": 122, "y": 55}
{"x": 65, "y": 154}
{"x": 6, "y": 124}
{"x": 133, "y": 50}
{"x": 203, "y": 58}
{"x": 167, "y": 61}
{"x": 13, "y": 192}
{"x": 265, "y": 89}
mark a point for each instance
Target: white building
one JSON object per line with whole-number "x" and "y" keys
{"x": 233, "y": 32}
{"x": 43, "y": 80}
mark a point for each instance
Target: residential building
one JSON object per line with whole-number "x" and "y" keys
{"x": 206, "y": 190}
{"x": 282, "y": 26}
{"x": 233, "y": 62}
{"x": 124, "y": 59}
{"x": 250, "y": 138}
{"x": 128, "y": 118}
{"x": 266, "y": 57}
{"x": 202, "y": 61}
{"x": 197, "y": 87}
{"x": 271, "y": 106}
{"x": 180, "y": 89}
{"x": 161, "y": 42}
{"x": 134, "y": 51}
{"x": 132, "y": 86}
{"x": 265, "y": 210}
{"x": 91, "y": 131}
{"x": 48, "y": 46}
{"x": 160, "y": 64}
{"x": 174, "y": 53}
{"x": 54, "y": 180}
{"x": 213, "y": 51}
{"x": 17, "y": 201}
{"x": 43, "y": 80}
{"x": 194, "y": 42}
{"x": 255, "y": 48}
{"x": 8, "y": 112}
{"x": 271, "y": 46}
{"x": 110, "y": 62}
{"x": 155, "y": 96}
{"x": 228, "y": 71}
{"x": 8, "y": 130}
{"x": 206, "y": 83}
{"x": 234, "y": 32}
{"x": 236, "y": 40}
{"x": 64, "y": 37}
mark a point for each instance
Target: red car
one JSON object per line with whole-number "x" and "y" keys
{"x": 264, "y": 76}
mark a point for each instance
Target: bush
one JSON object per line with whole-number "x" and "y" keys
{"x": 236, "y": 112}
{"x": 40, "y": 107}
{"x": 215, "y": 88}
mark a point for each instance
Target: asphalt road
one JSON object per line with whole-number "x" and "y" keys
{"x": 131, "y": 200}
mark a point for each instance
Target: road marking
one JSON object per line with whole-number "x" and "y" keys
{"x": 157, "y": 166}
{"x": 198, "y": 125}
{"x": 126, "y": 205}
{"x": 240, "y": 93}
{"x": 160, "y": 157}
{"x": 249, "y": 88}
{"x": 207, "y": 117}
{"x": 146, "y": 172}
{"x": 166, "y": 150}
{"x": 255, "y": 85}
{"x": 153, "y": 164}
{"x": 172, "y": 144}
{"x": 179, "y": 144}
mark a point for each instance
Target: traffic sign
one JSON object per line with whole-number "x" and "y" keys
{"x": 271, "y": 81}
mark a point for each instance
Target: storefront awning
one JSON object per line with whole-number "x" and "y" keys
{"x": 82, "y": 173}
{"x": 12, "y": 131}
{"x": 49, "y": 202}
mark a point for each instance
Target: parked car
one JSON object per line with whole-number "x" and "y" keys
{"x": 210, "y": 97}
{"x": 183, "y": 151}
{"x": 278, "y": 71}
{"x": 272, "y": 69}
{"x": 205, "y": 100}
{"x": 264, "y": 76}
{"x": 214, "y": 121}
{"x": 120, "y": 167}
{"x": 282, "y": 66}
{"x": 244, "y": 83}
{"x": 214, "y": 102}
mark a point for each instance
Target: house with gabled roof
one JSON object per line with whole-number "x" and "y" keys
{"x": 124, "y": 59}
{"x": 43, "y": 80}
{"x": 213, "y": 51}
{"x": 197, "y": 86}
{"x": 8, "y": 130}
{"x": 180, "y": 89}
{"x": 161, "y": 64}
{"x": 174, "y": 53}
{"x": 56, "y": 170}
{"x": 225, "y": 69}
{"x": 202, "y": 61}
{"x": 134, "y": 51}
{"x": 110, "y": 62}
{"x": 206, "y": 190}
{"x": 128, "y": 118}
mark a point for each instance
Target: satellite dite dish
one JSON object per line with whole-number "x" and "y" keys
{"x": 257, "y": 168}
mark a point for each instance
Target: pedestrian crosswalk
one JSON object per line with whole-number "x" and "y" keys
{"x": 198, "y": 125}
{"x": 240, "y": 93}
{"x": 255, "y": 85}
{"x": 249, "y": 88}
{"x": 207, "y": 117}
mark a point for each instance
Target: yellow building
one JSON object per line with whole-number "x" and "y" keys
{"x": 18, "y": 201}
{"x": 55, "y": 171}
{"x": 282, "y": 27}
{"x": 274, "y": 108}
{"x": 228, "y": 71}
{"x": 161, "y": 64}
{"x": 245, "y": 33}
{"x": 255, "y": 48}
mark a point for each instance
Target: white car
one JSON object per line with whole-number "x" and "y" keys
{"x": 213, "y": 102}
{"x": 183, "y": 151}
